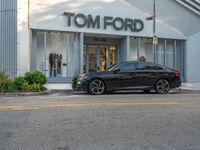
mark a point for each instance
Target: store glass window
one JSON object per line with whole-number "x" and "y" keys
{"x": 113, "y": 54}
{"x": 160, "y": 52}
{"x": 55, "y": 53}
{"x": 133, "y": 49}
{"x": 149, "y": 50}
{"x": 146, "y": 50}
{"x": 170, "y": 54}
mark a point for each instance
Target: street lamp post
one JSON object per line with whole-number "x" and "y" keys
{"x": 155, "y": 39}
{"x": 154, "y": 17}
{"x": 154, "y": 31}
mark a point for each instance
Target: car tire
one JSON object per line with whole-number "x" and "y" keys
{"x": 96, "y": 87}
{"x": 162, "y": 86}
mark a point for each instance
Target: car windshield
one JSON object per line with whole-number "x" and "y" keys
{"x": 112, "y": 67}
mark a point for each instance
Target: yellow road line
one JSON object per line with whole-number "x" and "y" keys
{"x": 42, "y": 106}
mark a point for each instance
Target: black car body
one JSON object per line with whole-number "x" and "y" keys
{"x": 137, "y": 75}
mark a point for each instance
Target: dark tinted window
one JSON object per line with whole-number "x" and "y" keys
{"x": 126, "y": 67}
{"x": 159, "y": 68}
{"x": 147, "y": 66}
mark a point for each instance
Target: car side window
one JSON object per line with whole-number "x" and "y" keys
{"x": 146, "y": 66}
{"x": 159, "y": 68}
{"x": 126, "y": 67}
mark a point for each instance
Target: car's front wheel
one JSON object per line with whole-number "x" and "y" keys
{"x": 96, "y": 87}
{"x": 162, "y": 86}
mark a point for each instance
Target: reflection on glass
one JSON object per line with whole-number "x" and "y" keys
{"x": 98, "y": 58}
{"x": 160, "y": 53}
{"x": 84, "y": 59}
{"x": 113, "y": 55}
{"x": 170, "y": 54}
{"x": 103, "y": 58}
{"x": 92, "y": 59}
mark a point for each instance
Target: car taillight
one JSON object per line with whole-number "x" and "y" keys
{"x": 178, "y": 74}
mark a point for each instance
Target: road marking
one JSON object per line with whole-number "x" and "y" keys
{"x": 44, "y": 106}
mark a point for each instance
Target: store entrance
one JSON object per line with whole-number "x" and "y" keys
{"x": 99, "y": 58}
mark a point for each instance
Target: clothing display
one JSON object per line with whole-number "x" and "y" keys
{"x": 55, "y": 61}
{"x": 59, "y": 63}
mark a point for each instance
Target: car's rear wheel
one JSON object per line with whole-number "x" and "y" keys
{"x": 162, "y": 86}
{"x": 96, "y": 87}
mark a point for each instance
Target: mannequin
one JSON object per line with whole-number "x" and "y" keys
{"x": 51, "y": 61}
{"x": 55, "y": 61}
{"x": 59, "y": 63}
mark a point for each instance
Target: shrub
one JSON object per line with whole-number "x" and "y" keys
{"x": 3, "y": 78}
{"x": 35, "y": 77}
{"x": 35, "y": 87}
{"x": 31, "y": 82}
{"x": 26, "y": 87}
{"x": 10, "y": 86}
{"x": 19, "y": 83}
{"x": 6, "y": 85}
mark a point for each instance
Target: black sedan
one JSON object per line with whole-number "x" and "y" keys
{"x": 135, "y": 75}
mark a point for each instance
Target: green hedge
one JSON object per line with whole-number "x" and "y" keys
{"x": 31, "y": 82}
{"x": 35, "y": 77}
{"x": 6, "y": 85}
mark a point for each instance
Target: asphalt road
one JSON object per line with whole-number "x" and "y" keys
{"x": 129, "y": 121}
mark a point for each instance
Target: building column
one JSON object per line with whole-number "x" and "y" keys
{"x": 23, "y": 38}
{"x": 138, "y": 47}
{"x": 81, "y": 51}
{"x": 165, "y": 51}
{"x": 128, "y": 48}
{"x": 175, "y": 65}
{"x": 185, "y": 65}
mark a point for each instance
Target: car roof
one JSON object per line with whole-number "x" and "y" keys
{"x": 137, "y": 62}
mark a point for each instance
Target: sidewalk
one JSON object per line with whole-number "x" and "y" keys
{"x": 191, "y": 86}
{"x": 66, "y": 86}
{"x": 185, "y": 86}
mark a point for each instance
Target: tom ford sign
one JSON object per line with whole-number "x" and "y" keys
{"x": 118, "y": 23}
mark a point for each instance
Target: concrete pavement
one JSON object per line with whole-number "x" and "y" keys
{"x": 109, "y": 122}
{"x": 185, "y": 86}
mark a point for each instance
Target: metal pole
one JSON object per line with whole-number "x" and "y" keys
{"x": 154, "y": 28}
{"x": 154, "y": 17}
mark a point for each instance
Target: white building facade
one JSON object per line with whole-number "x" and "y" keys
{"x": 66, "y": 37}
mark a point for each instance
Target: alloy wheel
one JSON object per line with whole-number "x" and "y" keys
{"x": 162, "y": 86}
{"x": 96, "y": 87}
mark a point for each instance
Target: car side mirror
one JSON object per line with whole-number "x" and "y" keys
{"x": 116, "y": 70}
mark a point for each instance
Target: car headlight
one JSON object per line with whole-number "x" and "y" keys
{"x": 78, "y": 82}
{"x": 82, "y": 76}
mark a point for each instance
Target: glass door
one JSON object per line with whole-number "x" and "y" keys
{"x": 92, "y": 53}
{"x": 98, "y": 58}
{"x": 112, "y": 56}
{"x": 103, "y": 58}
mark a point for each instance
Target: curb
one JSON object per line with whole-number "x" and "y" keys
{"x": 48, "y": 92}
{"x": 185, "y": 90}
{"x": 25, "y": 94}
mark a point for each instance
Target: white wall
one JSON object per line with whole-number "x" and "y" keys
{"x": 193, "y": 58}
{"x": 48, "y": 15}
{"x": 23, "y": 38}
{"x": 123, "y": 49}
{"x": 172, "y": 13}
{"x": 133, "y": 49}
